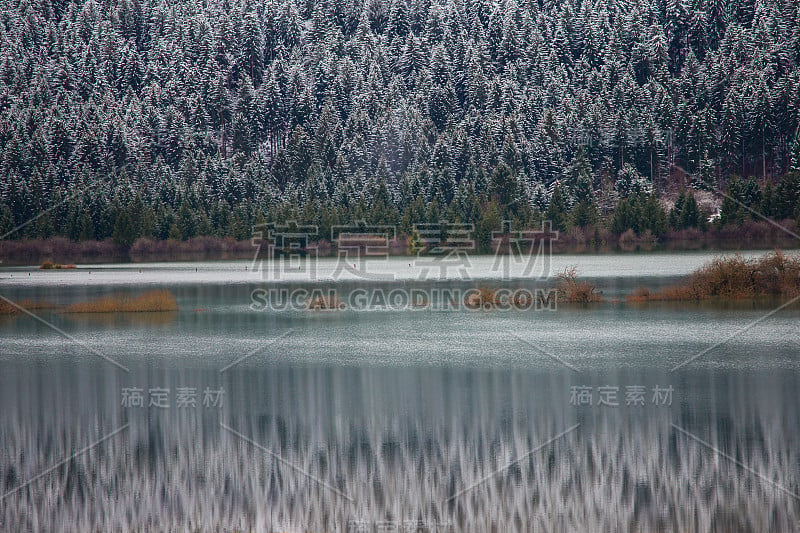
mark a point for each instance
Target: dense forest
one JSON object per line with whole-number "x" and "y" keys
{"x": 171, "y": 119}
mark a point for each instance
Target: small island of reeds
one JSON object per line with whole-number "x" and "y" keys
{"x": 152, "y": 301}
{"x": 49, "y": 265}
{"x": 329, "y": 302}
{"x": 727, "y": 278}
{"x": 148, "y": 302}
{"x": 571, "y": 290}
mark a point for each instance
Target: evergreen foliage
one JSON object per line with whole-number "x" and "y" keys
{"x": 139, "y": 118}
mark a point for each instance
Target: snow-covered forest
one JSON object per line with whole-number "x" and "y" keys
{"x": 185, "y": 117}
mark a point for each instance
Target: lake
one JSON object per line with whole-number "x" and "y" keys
{"x": 243, "y": 413}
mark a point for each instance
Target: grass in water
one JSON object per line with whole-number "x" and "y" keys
{"x": 49, "y": 265}
{"x": 325, "y": 303}
{"x": 30, "y": 305}
{"x": 158, "y": 300}
{"x": 775, "y": 274}
{"x": 484, "y": 297}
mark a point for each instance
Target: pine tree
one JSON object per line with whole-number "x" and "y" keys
{"x": 186, "y": 222}
{"x": 768, "y": 206}
{"x": 251, "y": 46}
{"x": 504, "y": 187}
{"x": 655, "y": 218}
{"x": 732, "y": 210}
{"x": 685, "y": 213}
{"x": 6, "y": 220}
{"x": 87, "y": 228}
{"x": 788, "y": 196}
{"x": 124, "y": 233}
{"x": 556, "y": 210}
{"x": 578, "y": 180}
{"x": 629, "y": 182}
{"x": 795, "y": 156}
{"x": 489, "y": 221}
{"x": 584, "y": 214}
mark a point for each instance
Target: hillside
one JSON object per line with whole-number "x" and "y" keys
{"x": 182, "y": 118}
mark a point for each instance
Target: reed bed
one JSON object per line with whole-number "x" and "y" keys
{"x": 734, "y": 277}
{"x": 152, "y": 301}
{"x": 30, "y": 305}
{"x": 49, "y": 265}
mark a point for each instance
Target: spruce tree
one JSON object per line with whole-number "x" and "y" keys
{"x": 124, "y": 232}
{"x": 557, "y": 210}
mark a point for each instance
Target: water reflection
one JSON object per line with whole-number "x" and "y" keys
{"x": 331, "y": 448}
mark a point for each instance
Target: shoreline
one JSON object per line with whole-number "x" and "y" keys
{"x": 61, "y": 250}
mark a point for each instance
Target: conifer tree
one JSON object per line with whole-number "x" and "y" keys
{"x": 557, "y": 210}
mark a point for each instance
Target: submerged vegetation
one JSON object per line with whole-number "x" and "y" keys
{"x": 775, "y": 274}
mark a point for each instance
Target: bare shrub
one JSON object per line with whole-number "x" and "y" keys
{"x": 570, "y": 290}
{"x": 734, "y": 277}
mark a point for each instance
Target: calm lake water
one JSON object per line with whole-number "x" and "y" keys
{"x": 617, "y": 417}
